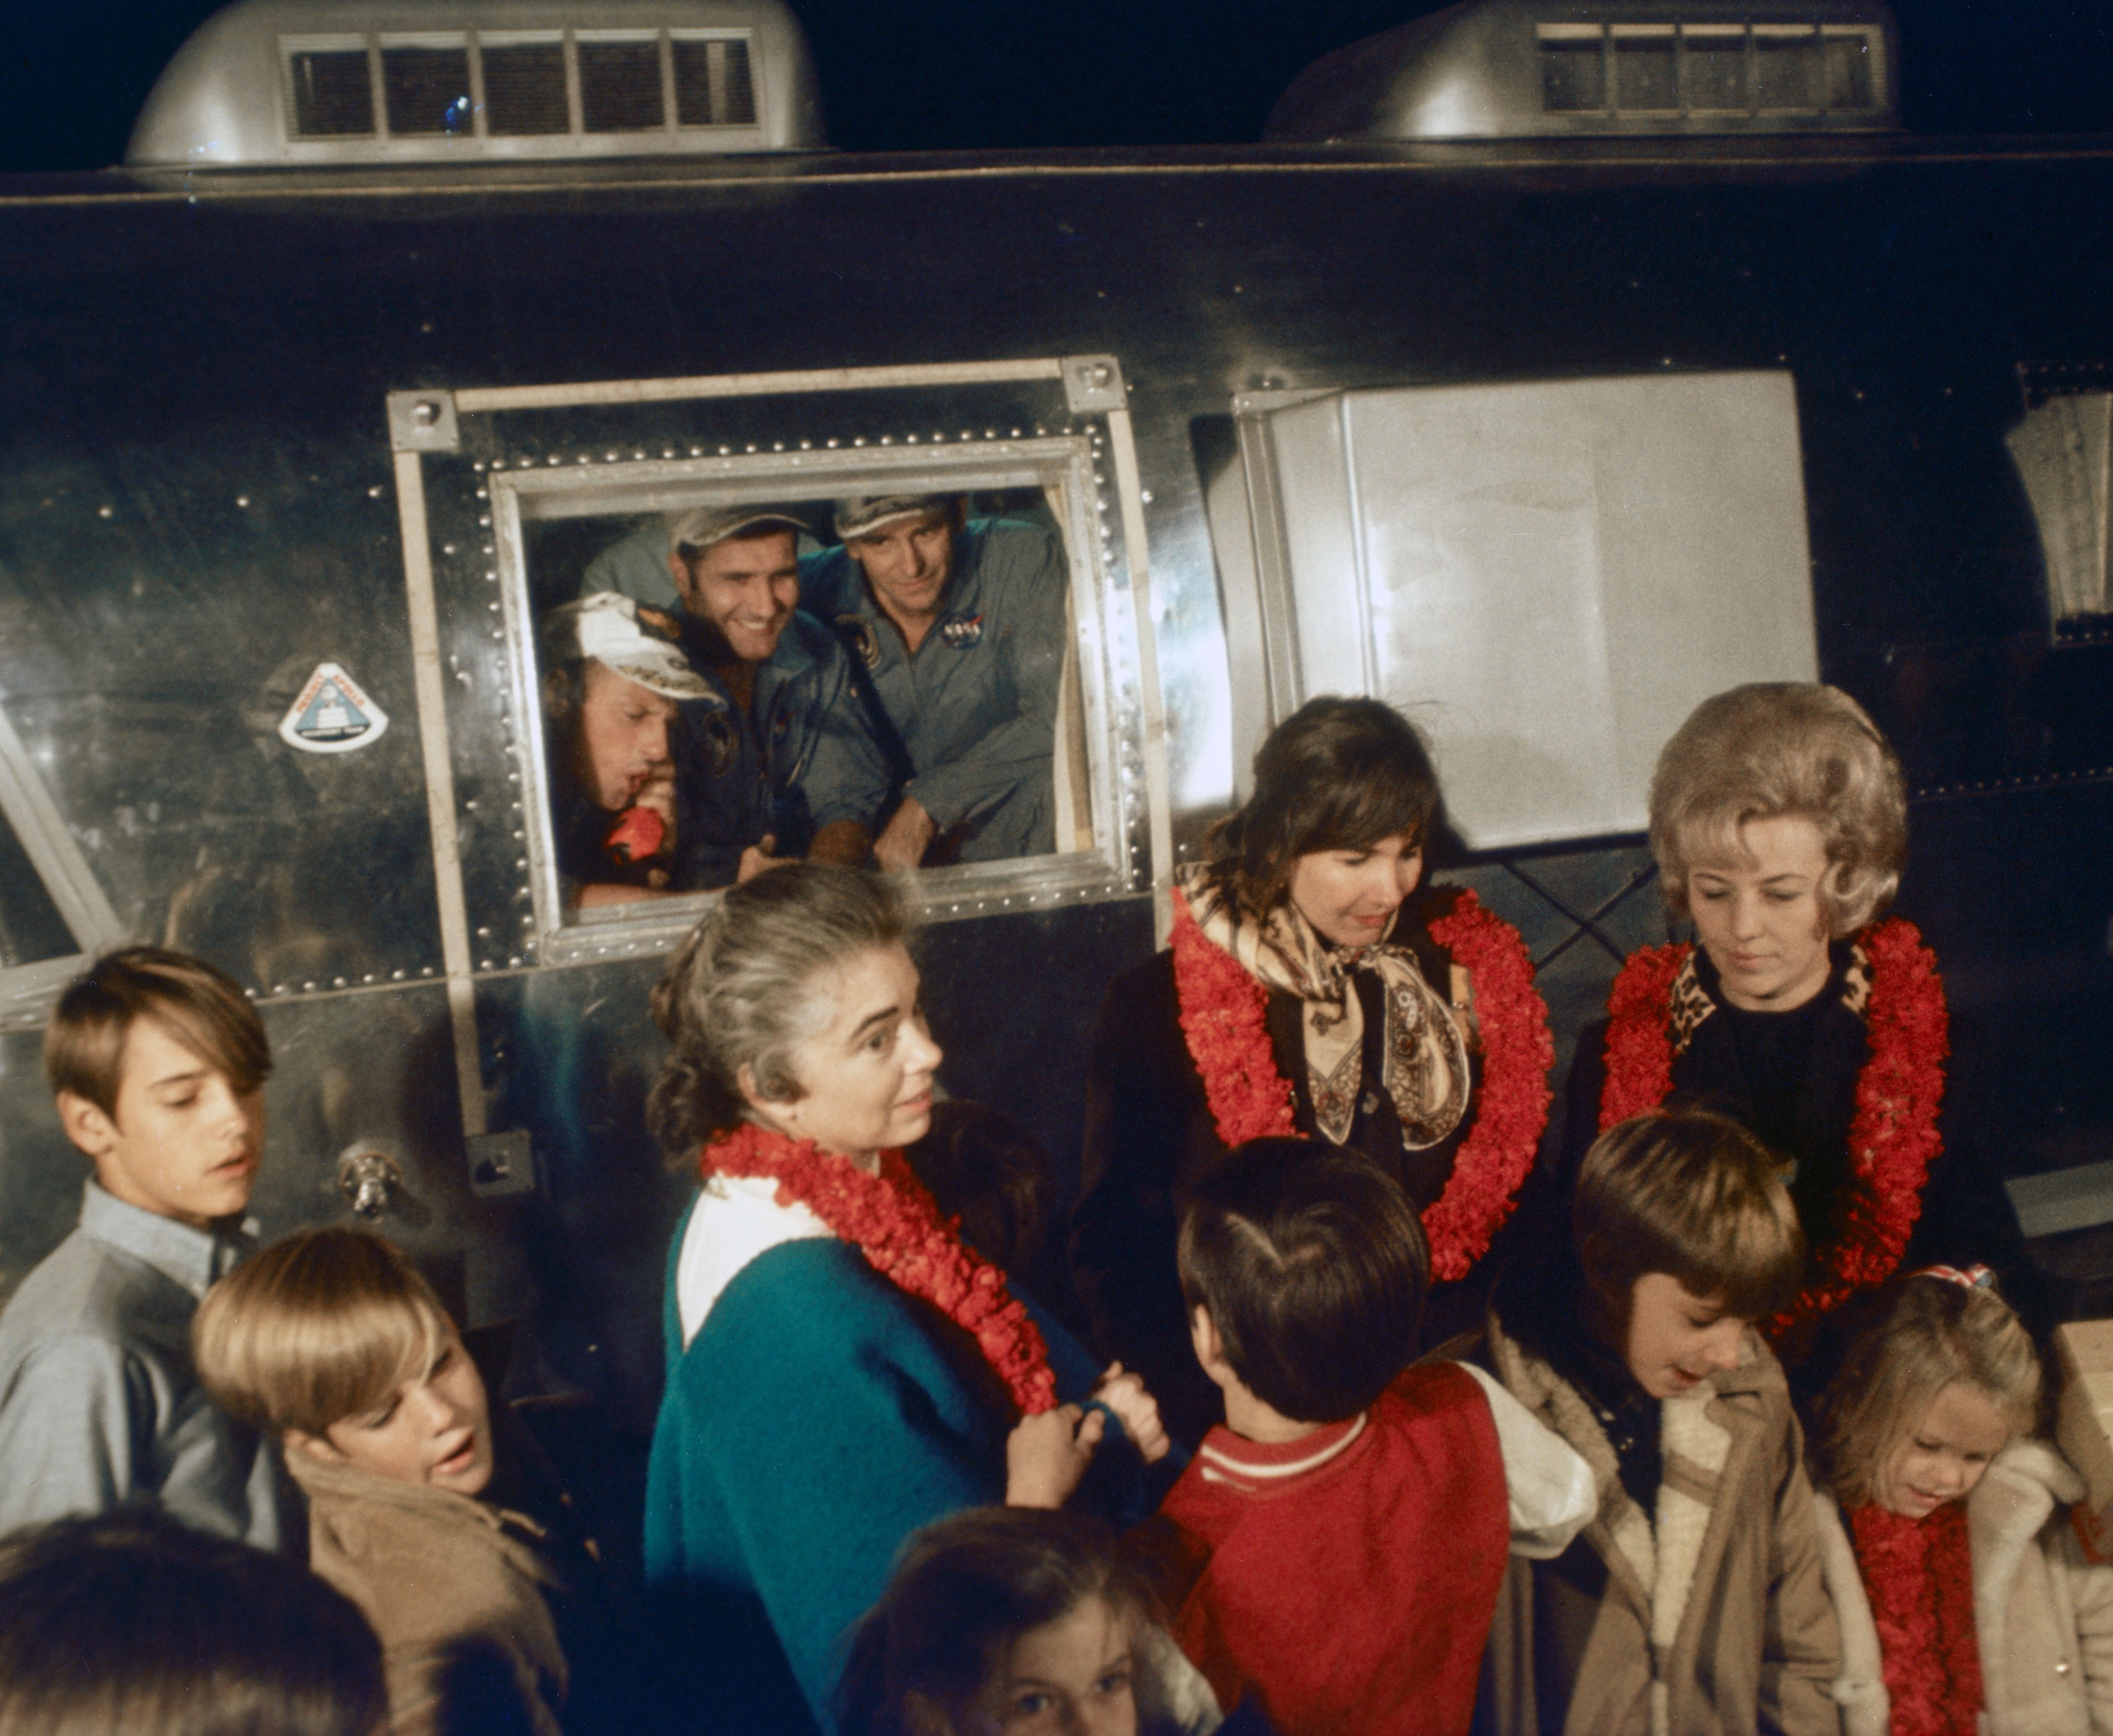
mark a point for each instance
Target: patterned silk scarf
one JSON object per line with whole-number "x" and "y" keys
{"x": 1423, "y": 1053}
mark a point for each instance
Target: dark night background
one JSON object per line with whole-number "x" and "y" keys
{"x": 937, "y": 75}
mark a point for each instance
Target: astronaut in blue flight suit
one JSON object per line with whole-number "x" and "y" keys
{"x": 778, "y": 760}
{"x": 958, "y": 630}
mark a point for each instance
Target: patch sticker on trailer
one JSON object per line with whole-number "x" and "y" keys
{"x": 333, "y": 715}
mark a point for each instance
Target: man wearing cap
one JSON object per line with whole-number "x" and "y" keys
{"x": 611, "y": 691}
{"x": 960, "y": 632}
{"x": 777, "y": 760}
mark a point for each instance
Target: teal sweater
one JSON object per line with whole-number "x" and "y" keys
{"x": 819, "y": 1416}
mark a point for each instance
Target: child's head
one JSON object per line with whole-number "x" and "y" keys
{"x": 158, "y": 1063}
{"x": 1928, "y": 1394}
{"x": 131, "y": 1621}
{"x": 332, "y": 1341}
{"x": 1685, "y": 1234}
{"x": 1013, "y": 1619}
{"x": 1311, "y": 1268}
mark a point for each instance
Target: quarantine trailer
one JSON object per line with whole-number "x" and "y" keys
{"x": 1551, "y": 367}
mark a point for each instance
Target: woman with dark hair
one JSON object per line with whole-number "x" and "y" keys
{"x": 842, "y": 1367}
{"x": 1315, "y": 985}
{"x": 1779, "y": 820}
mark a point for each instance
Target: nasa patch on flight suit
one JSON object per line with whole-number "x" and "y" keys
{"x": 963, "y": 631}
{"x": 858, "y": 634}
{"x": 715, "y": 731}
{"x": 333, "y": 715}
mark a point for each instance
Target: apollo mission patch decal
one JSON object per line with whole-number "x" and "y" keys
{"x": 333, "y": 715}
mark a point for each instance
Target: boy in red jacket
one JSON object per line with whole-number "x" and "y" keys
{"x": 1347, "y": 1527}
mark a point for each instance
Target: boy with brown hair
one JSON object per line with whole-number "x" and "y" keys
{"x": 157, "y": 1064}
{"x": 1347, "y": 1528}
{"x": 1693, "y": 1603}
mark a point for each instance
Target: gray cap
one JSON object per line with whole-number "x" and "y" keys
{"x": 605, "y": 625}
{"x": 863, "y": 514}
{"x": 703, "y": 526}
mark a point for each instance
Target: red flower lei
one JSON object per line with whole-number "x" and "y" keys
{"x": 896, "y": 1224}
{"x": 1223, "y": 1017}
{"x": 1892, "y": 1137}
{"x": 1919, "y": 1574}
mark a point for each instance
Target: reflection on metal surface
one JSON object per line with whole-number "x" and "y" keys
{"x": 1523, "y": 69}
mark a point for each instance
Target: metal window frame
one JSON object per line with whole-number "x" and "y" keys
{"x": 1127, "y": 764}
{"x": 26, "y": 990}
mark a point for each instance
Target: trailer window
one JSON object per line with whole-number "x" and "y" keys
{"x": 53, "y": 915}
{"x": 1549, "y": 575}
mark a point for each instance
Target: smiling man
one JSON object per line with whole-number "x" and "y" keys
{"x": 158, "y": 1063}
{"x": 779, "y": 760}
{"x": 960, "y": 631}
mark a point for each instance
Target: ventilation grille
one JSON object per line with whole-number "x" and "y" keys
{"x": 517, "y": 84}
{"x": 1708, "y": 70}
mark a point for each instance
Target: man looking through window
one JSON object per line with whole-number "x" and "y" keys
{"x": 777, "y": 760}
{"x": 960, "y": 629}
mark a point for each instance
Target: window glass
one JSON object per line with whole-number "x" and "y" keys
{"x": 31, "y": 929}
{"x": 721, "y": 681}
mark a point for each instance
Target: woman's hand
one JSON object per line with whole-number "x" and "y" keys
{"x": 1136, "y": 1409}
{"x": 1047, "y": 1454}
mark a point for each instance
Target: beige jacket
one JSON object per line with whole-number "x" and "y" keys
{"x": 1706, "y": 1617}
{"x": 2042, "y": 1615}
{"x": 453, "y": 1590}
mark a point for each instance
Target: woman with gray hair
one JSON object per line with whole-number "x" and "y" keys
{"x": 1779, "y": 820}
{"x": 843, "y": 1368}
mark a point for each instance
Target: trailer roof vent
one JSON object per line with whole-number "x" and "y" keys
{"x": 1515, "y": 69}
{"x": 283, "y": 83}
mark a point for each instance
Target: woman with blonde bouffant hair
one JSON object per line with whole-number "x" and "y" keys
{"x": 1803, "y": 1010}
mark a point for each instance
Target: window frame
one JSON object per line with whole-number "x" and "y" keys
{"x": 28, "y": 809}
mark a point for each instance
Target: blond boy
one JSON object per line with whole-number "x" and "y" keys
{"x": 331, "y": 1340}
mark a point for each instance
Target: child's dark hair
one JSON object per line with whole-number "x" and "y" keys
{"x": 1696, "y": 1196}
{"x": 986, "y": 1169}
{"x": 965, "y": 1588}
{"x": 131, "y": 1621}
{"x": 1313, "y": 1266}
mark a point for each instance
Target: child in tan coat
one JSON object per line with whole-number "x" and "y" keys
{"x": 332, "y": 1341}
{"x": 1692, "y": 1604}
